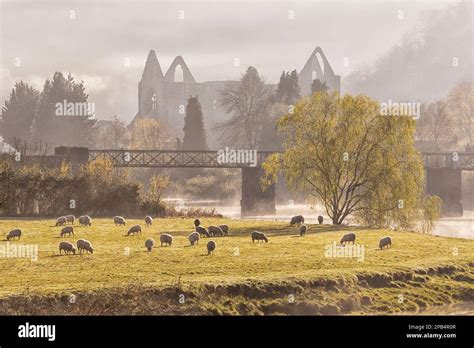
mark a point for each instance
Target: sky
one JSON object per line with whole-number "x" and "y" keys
{"x": 105, "y": 43}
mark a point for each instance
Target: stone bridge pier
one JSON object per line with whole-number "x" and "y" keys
{"x": 447, "y": 184}
{"x": 255, "y": 201}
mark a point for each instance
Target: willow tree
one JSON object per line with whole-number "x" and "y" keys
{"x": 341, "y": 152}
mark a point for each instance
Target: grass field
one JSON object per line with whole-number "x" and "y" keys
{"x": 289, "y": 275}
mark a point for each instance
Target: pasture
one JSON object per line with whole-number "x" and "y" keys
{"x": 288, "y": 275}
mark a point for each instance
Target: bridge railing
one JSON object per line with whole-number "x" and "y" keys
{"x": 182, "y": 158}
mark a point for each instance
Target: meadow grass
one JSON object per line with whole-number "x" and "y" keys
{"x": 242, "y": 277}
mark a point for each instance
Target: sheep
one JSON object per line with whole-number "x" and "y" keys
{"x": 215, "y": 231}
{"x": 194, "y": 238}
{"x": 166, "y": 239}
{"x": 296, "y": 220}
{"x": 303, "y": 229}
{"x": 202, "y": 231}
{"x": 85, "y": 220}
{"x": 197, "y": 222}
{"x": 135, "y": 229}
{"x": 257, "y": 236}
{"x": 225, "y": 229}
{"x": 350, "y": 237}
{"x": 320, "y": 219}
{"x": 67, "y": 230}
{"x": 119, "y": 220}
{"x": 67, "y": 248}
{"x": 71, "y": 219}
{"x": 83, "y": 244}
{"x": 14, "y": 234}
{"x": 211, "y": 246}
{"x": 149, "y": 244}
{"x": 385, "y": 242}
{"x": 148, "y": 220}
{"x": 61, "y": 221}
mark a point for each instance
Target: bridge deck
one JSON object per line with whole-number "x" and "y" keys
{"x": 218, "y": 159}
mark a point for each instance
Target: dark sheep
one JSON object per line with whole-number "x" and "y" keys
{"x": 225, "y": 229}
{"x": 296, "y": 220}
{"x": 194, "y": 238}
{"x": 135, "y": 229}
{"x": 14, "y": 234}
{"x": 320, "y": 219}
{"x": 215, "y": 231}
{"x": 68, "y": 230}
{"x": 350, "y": 237}
{"x": 303, "y": 229}
{"x": 148, "y": 220}
{"x": 67, "y": 248}
{"x": 211, "y": 246}
{"x": 197, "y": 222}
{"x": 202, "y": 231}
{"x": 385, "y": 242}
{"x": 259, "y": 236}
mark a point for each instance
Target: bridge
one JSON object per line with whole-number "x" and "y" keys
{"x": 443, "y": 171}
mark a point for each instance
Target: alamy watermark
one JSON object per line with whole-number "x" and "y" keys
{"x": 66, "y": 108}
{"x": 391, "y": 108}
{"x": 14, "y": 250}
{"x": 349, "y": 251}
{"x": 242, "y": 156}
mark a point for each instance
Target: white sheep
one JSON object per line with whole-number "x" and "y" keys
{"x": 85, "y": 220}
{"x": 194, "y": 238}
{"x": 166, "y": 239}
{"x": 61, "y": 221}
{"x": 119, "y": 220}
{"x": 68, "y": 230}
{"x": 149, "y": 244}
{"x": 211, "y": 246}
{"x": 67, "y": 248}
{"x": 148, "y": 220}
{"x": 83, "y": 244}
{"x": 71, "y": 219}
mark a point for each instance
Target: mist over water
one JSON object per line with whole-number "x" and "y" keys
{"x": 461, "y": 227}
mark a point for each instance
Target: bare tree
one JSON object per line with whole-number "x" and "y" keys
{"x": 248, "y": 102}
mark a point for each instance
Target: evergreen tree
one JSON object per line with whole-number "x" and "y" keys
{"x": 318, "y": 86}
{"x": 288, "y": 90}
{"x": 19, "y": 112}
{"x": 194, "y": 132}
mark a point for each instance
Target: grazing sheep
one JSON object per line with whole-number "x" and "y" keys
{"x": 149, "y": 244}
{"x": 148, "y": 220}
{"x": 225, "y": 229}
{"x": 67, "y": 230}
{"x": 350, "y": 237}
{"x": 61, "y": 221}
{"x": 194, "y": 238}
{"x": 211, "y": 246}
{"x": 166, "y": 239}
{"x": 135, "y": 229}
{"x": 296, "y": 220}
{"x": 197, "y": 222}
{"x": 215, "y": 231}
{"x": 320, "y": 219}
{"x": 303, "y": 230}
{"x": 14, "y": 234}
{"x": 67, "y": 248}
{"x": 119, "y": 220}
{"x": 202, "y": 231}
{"x": 83, "y": 244}
{"x": 257, "y": 236}
{"x": 385, "y": 242}
{"x": 85, "y": 220}
{"x": 71, "y": 219}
